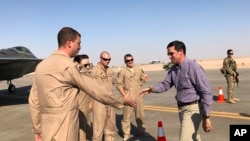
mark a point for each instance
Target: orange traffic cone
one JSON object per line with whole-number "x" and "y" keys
{"x": 161, "y": 134}
{"x": 220, "y": 96}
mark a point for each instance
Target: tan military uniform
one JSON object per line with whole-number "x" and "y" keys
{"x": 53, "y": 97}
{"x": 85, "y": 121}
{"x": 131, "y": 81}
{"x": 84, "y": 117}
{"x": 103, "y": 115}
{"x": 231, "y": 68}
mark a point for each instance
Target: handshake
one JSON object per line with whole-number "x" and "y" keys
{"x": 145, "y": 91}
{"x": 128, "y": 100}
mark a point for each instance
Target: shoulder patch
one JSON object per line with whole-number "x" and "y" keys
{"x": 83, "y": 70}
{"x": 80, "y": 68}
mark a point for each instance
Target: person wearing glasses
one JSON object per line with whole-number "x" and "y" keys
{"x": 194, "y": 96}
{"x": 129, "y": 81}
{"x": 231, "y": 74}
{"x": 53, "y": 100}
{"x": 104, "y": 122}
{"x": 85, "y": 102}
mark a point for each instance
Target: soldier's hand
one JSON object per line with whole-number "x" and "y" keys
{"x": 128, "y": 101}
{"x": 145, "y": 91}
{"x": 238, "y": 77}
{"x": 91, "y": 106}
{"x": 38, "y": 137}
{"x": 234, "y": 73}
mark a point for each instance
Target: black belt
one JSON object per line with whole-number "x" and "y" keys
{"x": 181, "y": 104}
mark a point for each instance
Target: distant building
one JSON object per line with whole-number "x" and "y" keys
{"x": 154, "y": 62}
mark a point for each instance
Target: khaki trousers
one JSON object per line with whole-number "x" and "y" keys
{"x": 85, "y": 124}
{"x": 139, "y": 117}
{"x": 59, "y": 125}
{"x": 104, "y": 122}
{"x": 190, "y": 119}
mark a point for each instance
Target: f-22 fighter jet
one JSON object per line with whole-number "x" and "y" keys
{"x": 16, "y": 62}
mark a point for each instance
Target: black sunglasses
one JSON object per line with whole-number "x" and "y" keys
{"x": 131, "y": 60}
{"x": 106, "y": 59}
{"x": 86, "y": 65}
{"x": 171, "y": 53}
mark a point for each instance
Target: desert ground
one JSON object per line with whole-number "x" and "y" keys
{"x": 242, "y": 62}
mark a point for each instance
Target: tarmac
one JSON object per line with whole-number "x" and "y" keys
{"x": 15, "y": 122}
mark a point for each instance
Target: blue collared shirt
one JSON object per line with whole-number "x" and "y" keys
{"x": 191, "y": 84}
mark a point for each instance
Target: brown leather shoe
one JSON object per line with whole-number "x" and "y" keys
{"x": 144, "y": 134}
{"x": 126, "y": 137}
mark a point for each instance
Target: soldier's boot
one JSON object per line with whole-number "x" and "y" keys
{"x": 230, "y": 99}
{"x": 235, "y": 99}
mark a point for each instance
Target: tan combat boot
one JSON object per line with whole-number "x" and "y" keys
{"x": 230, "y": 99}
{"x": 235, "y": 99}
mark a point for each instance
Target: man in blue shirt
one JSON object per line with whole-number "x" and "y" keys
{"x": 194, "y": 97}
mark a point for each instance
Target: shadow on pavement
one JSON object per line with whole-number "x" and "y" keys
{"x": 245, "y": 114}
{"x": 20, "y": 96}
{"x": 133, "y": 131}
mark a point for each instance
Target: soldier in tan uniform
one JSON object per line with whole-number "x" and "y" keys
{"x": 85, "y": 103}
{"x": 104, "y": 115}
{"x": 231, "y": 75}
{"x": 53, "y": 96}
{"x": 129, "y": 80}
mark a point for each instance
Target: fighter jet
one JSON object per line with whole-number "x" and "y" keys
{"x": 16, "y": 62}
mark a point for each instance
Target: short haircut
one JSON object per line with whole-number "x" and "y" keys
{"x": 229, "y": 50}
{"x": 104, "y": 52}
{"x": 65, "y": 34}
{"x": 127, "y": 55}
{"x": 79, "y": 58}
{"x": 178, "y": 45}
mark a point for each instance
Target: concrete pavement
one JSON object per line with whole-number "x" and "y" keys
{"x": 15, "y": 124}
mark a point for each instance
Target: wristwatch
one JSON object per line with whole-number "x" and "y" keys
{"x": 206, "y": 116}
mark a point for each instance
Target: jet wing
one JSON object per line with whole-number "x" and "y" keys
{"x": 16, "y": 62}
{"x": 12, "y": 68}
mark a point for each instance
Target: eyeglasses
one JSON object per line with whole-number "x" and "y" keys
{"x": 106, "y": 59}
{"x": 131, "y": 60}
{"x": 86, "y": 65}
{"x": 171, "y": 53}
{"x": 230, "y": 53}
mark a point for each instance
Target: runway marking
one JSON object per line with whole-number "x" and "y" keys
{"x": 213, "y": 113}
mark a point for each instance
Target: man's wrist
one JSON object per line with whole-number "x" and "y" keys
{"x": 206, "y": 116}
{"x": 150, "y": 89}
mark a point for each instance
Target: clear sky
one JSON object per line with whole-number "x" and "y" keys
{"x": 140, "y": 27}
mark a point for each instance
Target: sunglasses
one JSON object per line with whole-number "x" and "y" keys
{"x": 171, "y": 53}
{"x": 231, "y": 53}
{"x": 106, "y": 59}
{"x": 86, "y": 65}
{"x": 131, "y": 60}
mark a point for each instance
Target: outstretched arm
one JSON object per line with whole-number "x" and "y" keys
{"x": 145, "y": 91}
